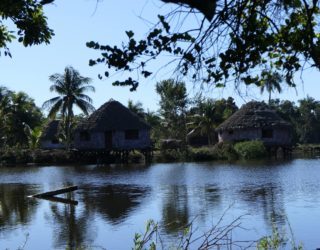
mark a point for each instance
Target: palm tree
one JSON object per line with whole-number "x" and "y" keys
{"x": 204, "y": 120}
{"x": 271, "y": 83}
{"x": 71, "y": 87}
{"x": 136, "y": 108}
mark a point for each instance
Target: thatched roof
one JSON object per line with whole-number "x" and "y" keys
{"x": 50, "y": 130}
{"x": 112, "y": 116}
{"x": 253, "y": 115}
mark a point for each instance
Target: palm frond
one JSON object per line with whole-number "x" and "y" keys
{"x": 50, "y": 103}
{"x": 57, "y": 79}
{"x": 61, "y": 90}
{"x": 86, "y": 88}
{"x": 84, "y": 97}
{"x": 85, "y": 107}
{"x": 55, "y": 109}
{"x": 84, "y": 80}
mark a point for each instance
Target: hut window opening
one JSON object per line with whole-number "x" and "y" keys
{"x": 267, "y": 133}
{"x": 55, "y": 141}
{"x": 132, "y": 134}
{"x": 84, "y": 136}
{"x": 230, "y": 131}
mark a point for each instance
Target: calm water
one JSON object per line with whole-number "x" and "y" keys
{"x": 114, "y": 202}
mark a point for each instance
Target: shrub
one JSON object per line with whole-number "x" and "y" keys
{"x": 225, "y": 151}
{"x": 202, "y": 154}
{"x": 135, "y": 157}
{"x": 15, "y": 155}
{"x": 171, "y": 155}
{"x": 250, "y": 149}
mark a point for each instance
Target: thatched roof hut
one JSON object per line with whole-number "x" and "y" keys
{"x": 50, "y": 135}
{"x": 112, "y": 115}
{"x": 255, "y": 121}
{"x": 112, "y": 126}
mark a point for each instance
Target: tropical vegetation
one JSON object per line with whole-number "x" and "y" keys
{"x": 226, "y": 41}
{"x": 189, "y": 122}
{"x": 18, "y": 111}
{"x": 28, "y": 23}
{"x": 71, "y": 88}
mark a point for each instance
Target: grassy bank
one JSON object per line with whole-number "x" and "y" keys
{"x": 220, "y": 151}
{"x": 18, "y": 156}
{"x": 247, "y": 150}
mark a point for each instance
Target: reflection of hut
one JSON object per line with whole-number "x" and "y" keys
{"x": 256, "y": 121}
{"x": 50, "y": 136}
{"x": 112, "y": 127}
{"x": 115, "y": 202}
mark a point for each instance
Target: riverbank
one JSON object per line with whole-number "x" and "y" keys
{"x": 218, "y": 152}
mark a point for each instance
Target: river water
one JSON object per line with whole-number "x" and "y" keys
{"x": 115, "y": 202}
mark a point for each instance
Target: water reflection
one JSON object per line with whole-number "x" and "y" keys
{"x": 72, "y": 226}
{"x": 114, "y": 202}
{"x": 175, "y": 211}
{"x": 269, "y": 198}
{"x": 15, "y": 207}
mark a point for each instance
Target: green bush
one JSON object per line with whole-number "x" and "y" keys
{"x": 202, "y": 154}
{"x": 136, "y": 157}
{"x": 170, "y": 156}
{"x": 225, "y": 151}
{"x": 250, "y": 149}
{"x": 15, "y": 156}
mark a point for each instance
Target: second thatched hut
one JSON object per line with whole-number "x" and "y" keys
{"x": 50, "y": 136}
{"x": 256, "y": 121}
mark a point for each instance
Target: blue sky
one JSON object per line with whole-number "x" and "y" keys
{"x": 76, "y": 22}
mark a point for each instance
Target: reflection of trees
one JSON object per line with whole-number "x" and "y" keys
{"x": 212, "y": 196}
{"x": 269, "y": 198}
{"x": 114, "y": 202}
{"x": 15, "y": 207}
{"x": 205, "y": 199}
{"x": 71, "y": 227}
{"x": 175, "y": 211}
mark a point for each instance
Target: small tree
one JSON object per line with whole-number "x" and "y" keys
{"x": 271, "y": 82}
{"x": 173, "y": 107}
{"x": 18, "y": 110}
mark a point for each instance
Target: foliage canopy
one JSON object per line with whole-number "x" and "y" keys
{"x": 242, "y": 39}
{"x": 29, "y": 21}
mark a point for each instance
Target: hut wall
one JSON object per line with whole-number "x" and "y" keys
{"x": 120, "y": 142}
{"x": 281, "y": 136}
{"x": 97, "y": 141}
{"x": 47, "y": 144}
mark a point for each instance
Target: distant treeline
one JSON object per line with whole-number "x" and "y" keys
{"x": 178, "y": 117}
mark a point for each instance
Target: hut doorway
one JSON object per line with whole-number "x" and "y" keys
{"x": 108, "y": 139}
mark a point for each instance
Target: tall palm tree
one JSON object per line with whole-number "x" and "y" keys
{"x": 70, "y": 87}
{"x": 272, "y": 82}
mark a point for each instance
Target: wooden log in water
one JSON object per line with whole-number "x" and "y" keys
{"x": 56, "y": 192}
{"x": 59, "y": 199}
